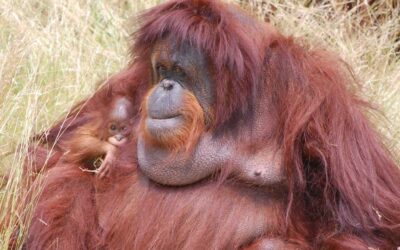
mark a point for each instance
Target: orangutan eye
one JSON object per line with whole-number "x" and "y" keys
{"x": 179, "y": 71}
{"x": 113, "y": 127}
{"x": 160, "y": 68}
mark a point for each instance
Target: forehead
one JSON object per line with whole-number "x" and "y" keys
{"x": 167, "y": 50}
{"x": 121, "y": 109}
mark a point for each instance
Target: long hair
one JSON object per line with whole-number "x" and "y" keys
{"x": 340, "y": 174}
{"x": 228, "y": 38}
{"x": 341, "y": 179}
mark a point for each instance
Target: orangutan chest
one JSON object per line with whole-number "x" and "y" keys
{"x": 203, "y": 217}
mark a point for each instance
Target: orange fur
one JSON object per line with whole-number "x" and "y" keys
{"x": 100, "y": 136}
{"x": 87, "y": 143}
{"x": 185, "y": 137}
{"x": 341, "y": 189}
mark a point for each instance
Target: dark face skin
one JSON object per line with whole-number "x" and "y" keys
{"x": 176, "y": 69}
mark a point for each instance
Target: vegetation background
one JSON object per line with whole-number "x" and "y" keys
{"x": 53, "y": 53}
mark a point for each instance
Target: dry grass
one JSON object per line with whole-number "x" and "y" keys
{"x": 53, "y": 53}
{"x": 365, "y": 36}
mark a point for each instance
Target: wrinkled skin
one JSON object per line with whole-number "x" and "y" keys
{"x": 176, "y": 69}
{"x": 179, "y": 68}
{"x": 245, "y": 139}
{"x": 210, "y": 154}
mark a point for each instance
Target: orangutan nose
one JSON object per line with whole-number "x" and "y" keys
{"x": 167, "y": 84}
{"x": 119, "y": 137}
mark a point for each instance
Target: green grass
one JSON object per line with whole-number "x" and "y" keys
{"x": 54, "y": 53}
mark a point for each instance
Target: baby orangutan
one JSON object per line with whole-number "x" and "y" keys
{"x": 101, "y": 136}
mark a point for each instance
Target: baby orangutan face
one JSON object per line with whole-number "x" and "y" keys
{"x": 120, "y": 123}
{"x": 119, "y": 132}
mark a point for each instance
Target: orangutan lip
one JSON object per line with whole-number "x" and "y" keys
{"x": 158, "y": 126}
{"x": 164, "y": 117}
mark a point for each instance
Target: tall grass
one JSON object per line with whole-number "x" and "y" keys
{"x": 53, "y": 53}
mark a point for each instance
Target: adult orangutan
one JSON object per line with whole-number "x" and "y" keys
{"x": 245, "y": 139}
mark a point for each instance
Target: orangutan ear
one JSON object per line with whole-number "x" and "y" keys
{"x": 334, "y": 156}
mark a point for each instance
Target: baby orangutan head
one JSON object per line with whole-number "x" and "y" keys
{"x": 120, "y": 121}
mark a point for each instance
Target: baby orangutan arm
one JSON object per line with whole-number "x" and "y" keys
{"x": 106, "y": 165}
{"x": 86, "y": 146}
{"x": 102, "y": 136}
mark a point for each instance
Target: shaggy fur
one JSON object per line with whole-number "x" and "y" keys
{"x": 342, "y": 187}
